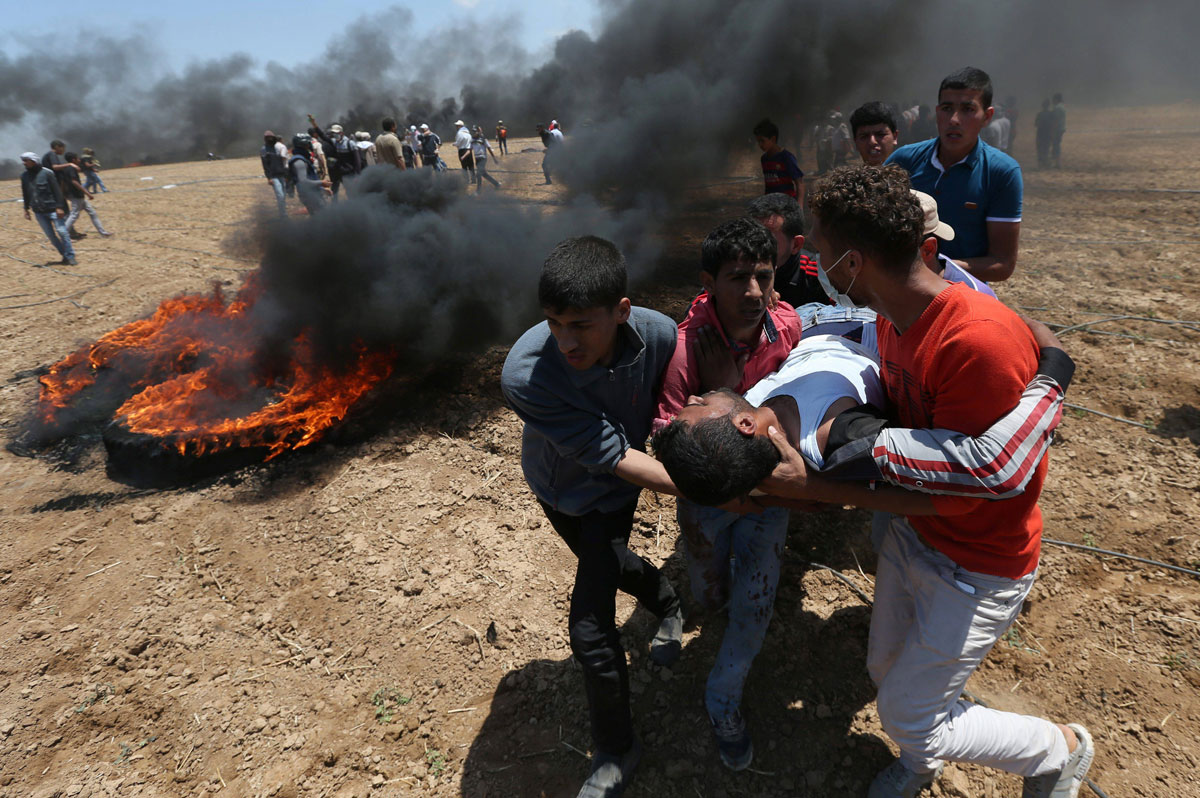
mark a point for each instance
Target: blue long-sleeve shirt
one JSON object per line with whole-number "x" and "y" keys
{"x": 579, "y": 424}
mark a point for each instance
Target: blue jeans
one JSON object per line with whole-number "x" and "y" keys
{"x": 92, "y": 180}
{"x": 55, "y": 229}
{"x": 711, "y": 538}
{"x": 280, "y": 186}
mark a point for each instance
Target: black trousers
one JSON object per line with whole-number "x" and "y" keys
{"x": 606, "y": 565}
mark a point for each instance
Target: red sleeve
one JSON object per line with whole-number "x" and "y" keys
{"x": 679, "y": 381}
{"x": 982, "y": 368}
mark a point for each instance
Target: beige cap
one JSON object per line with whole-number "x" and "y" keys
{"x": 933, "y": 225}
{"x": 335, "y": 128}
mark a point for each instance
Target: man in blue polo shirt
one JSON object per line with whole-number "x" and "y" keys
{"x": 978, "y": 188}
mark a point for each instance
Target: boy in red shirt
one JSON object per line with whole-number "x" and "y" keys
{"x": 732, "y": 325}
{"x": 781, "y": 171}
{"x": 953, "y": 571}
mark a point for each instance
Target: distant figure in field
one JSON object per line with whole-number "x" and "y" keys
{"x": 502, "y": 137}
{"x": 302, "y": 167}
{"x": 925, "y": 127}
{"x": 875, "y": 135}
{"x": 1043, "y": 123}
{"x": 43, "y": 197}
{"x": 91, "y": 171}
{"x": 462, "y": 143}
{"x": 79, "y": 197}
{"x": 430, "y": 142}
{"x": 552, "y": 138}
{"x": 366, "y": 148}
{"x": 389, "y": 150}
{"x": 781, "y": 171}
{"x": 1010, "y": 110}
{"x": 411, "y": 146}
{"x": 479, "y": 152}
{"x": 998, "y": 132}
{"x": 342, "y": 154}
{"x": 1059, "y": 128}
{"x": 840, "y": 140}
{"x": 274, "y": 164}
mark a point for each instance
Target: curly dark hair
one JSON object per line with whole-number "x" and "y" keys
{"x": 711, "y": 462}
{"x": 873, "y": 210}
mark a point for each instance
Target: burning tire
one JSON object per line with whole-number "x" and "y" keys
{"x": 149, "y": 461}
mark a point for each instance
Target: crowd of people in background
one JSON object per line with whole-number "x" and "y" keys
{"x": 321, "y": 162}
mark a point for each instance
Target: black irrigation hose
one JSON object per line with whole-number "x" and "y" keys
{"x": 1108, "y": 553}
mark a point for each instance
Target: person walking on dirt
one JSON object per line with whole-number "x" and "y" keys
{"x": 462, "y": 142}
{"x": 388, "y": 147}
{"x": 274, "y": 164}
{"x": 43, "y": 197}
{"x": 583, "y": 383}
{"x": 479, "y": 152}
{"x": 430, "y": 143}
{"x": 1057, "y": 129}
{"x": 502, "y": 137}
{"x": 411, "y": 146}
{"x": 1043, "y": 124}
{"x": 79, "y": 197}
{"x": 302, "y": 168}
{"x": 342, "y": 154}
{"x": 91, "y": 171}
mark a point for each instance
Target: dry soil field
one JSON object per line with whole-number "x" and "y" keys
{"x": 320, "y": 626}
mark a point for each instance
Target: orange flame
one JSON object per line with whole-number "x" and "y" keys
{"x": 188, "y": 376}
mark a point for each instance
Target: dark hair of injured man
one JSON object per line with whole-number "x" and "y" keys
{"x": 716, "y": 450}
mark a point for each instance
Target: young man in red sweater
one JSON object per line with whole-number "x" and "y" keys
{"x": 953, "y": 570}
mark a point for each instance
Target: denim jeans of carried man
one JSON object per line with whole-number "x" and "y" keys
{"x": 733, "y": 562}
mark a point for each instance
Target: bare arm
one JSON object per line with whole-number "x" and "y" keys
{"x": 643, "y": 470}
{"x": 1001, "y": 260}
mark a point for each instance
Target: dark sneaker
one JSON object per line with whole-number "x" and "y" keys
{"x": 1066, "y": 782}
{"x": 611, "y": 773}
{"x": 76, "y": 236}
{"x": 668, "y": 640}
{"x": 68, "y": 262}
{"x": 897, "y": 781}
{"x": 733, "y": 741}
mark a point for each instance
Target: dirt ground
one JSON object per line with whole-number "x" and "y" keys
{"x": 386, "y": 616}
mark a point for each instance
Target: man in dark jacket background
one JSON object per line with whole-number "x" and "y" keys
{"x": 43, "y": 197}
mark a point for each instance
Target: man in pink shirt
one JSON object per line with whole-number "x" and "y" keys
{"x": 731, "y": 338}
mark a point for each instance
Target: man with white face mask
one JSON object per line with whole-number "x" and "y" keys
{"x": 953, "y": 570}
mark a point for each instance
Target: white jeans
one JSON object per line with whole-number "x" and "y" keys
{"x": 932, "y": 624}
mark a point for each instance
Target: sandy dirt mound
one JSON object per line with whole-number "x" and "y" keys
{"x": 386, "y": 614}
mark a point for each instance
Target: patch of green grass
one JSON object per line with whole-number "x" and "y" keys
{"x": 1075, "y": 412}
{"x": 1176, "y": 661}
{"x": 436, "y": 761}
{"x": 387, "y": 702}
{"x": 1089, "y": 539}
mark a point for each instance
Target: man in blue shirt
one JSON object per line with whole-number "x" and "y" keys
{"x": 584, "y": 382}
{"x": 978, "y": 188}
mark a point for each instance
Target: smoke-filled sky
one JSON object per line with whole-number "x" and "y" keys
{"x": 145, "y": 82}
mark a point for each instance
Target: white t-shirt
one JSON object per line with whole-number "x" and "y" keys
{"x": 462, "y": 139}
{"x": 819, "y": 371}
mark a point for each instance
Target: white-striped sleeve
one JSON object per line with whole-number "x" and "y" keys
{"x": 995, "y": 465}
